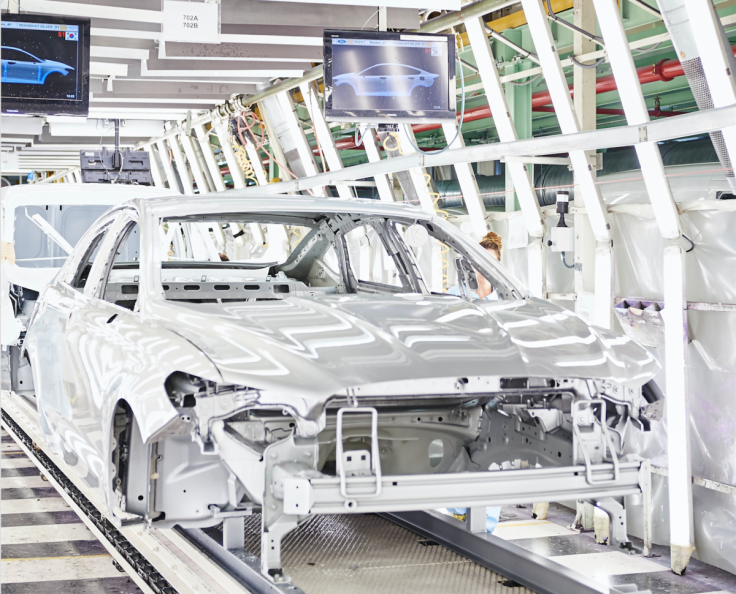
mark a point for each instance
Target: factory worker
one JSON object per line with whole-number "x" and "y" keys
{"x": 492, "y": 243}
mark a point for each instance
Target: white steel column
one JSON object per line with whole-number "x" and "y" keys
{"x": 383, "y": 183}
{"x": 468, "y": 183}
{"x": 504, "y": 125}
{"x": 632, "y": 99}
{"x": 158, "y": 179}
{"x": 298, "y": 138}
{"x": 181, "y": 165}
{"x": 718, "y": 65}
{"x": 682, "y": 539}
{"x": 209, "y": 157}
{"x": 678, "y": 419}
{"x": 199, "y": 175}
{"x": 323, "y": 135}
{"x": 549, "y": 60}
{"x": 223, "y": 135}
{"x": 163, "y": 149}
{"x": 484, "y": 59}
{"x": 419, "y": 176}
{"x": 255, "y": 162}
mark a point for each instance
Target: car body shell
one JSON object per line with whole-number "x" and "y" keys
{"x": 28, "y": 69}
{"x": 294, "y": 354}
{"x": 386, "y": 85}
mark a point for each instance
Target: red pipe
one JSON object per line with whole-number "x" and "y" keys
{"x": 655, "y": 113}
{"x": 662, "y": 71}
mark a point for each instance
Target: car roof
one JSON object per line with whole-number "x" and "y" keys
{"x": 68, "y": 194}
{"x": 237, "y": 201}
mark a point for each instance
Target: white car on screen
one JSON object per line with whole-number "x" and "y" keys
{"x": 386, "y": 80}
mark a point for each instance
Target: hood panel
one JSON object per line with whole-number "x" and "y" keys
{"x": 315, "y": 347}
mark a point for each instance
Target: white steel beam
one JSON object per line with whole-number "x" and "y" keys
{"x": 191, "y": 154}
{"x": 502, "y": 119}
{"x": 223, "y": 134}
{"x": 181, "y": 166}
{"x": 664, "y": 129}
{"x": 604, "y": 286}
{"x": 255, "y": 162}
{"x": 549, "y": 60}
{"x": 635, "y": 108}
{"x": 298, "y": 138}
{"x": 323, "y": 135}
{"x": 468, "y": 183}
{"x": 163, "y": 149}
{"x": 419, "y": 176}
{"x": 682, "y": 539}
{"x": 209, "y": 157}
{"x": 718, "y": 62}
{"x": 158, "y": 179}
{"x": 383, "y": 183}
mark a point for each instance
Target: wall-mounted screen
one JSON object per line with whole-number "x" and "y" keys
{"x": 45, "y": 64}
{"x": 379, "y": 77}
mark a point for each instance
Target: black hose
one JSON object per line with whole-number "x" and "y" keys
{"x": 651, "y": 392}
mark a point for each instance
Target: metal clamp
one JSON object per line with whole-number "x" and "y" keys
{"x": 609, "y": 444}
{"x": 375, "y": 459}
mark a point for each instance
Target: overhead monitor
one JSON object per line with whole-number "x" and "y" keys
{"x": 379, "y": 77}
{"x": 45, "y": 65}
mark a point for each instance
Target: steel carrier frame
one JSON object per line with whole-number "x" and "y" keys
{"x": 189, "y": 561}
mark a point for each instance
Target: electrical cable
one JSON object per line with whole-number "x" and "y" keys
{"x": 260, "y": 144}
{"x": 646, "y": 50}
{"x": 528, "y": 82}
{"x": 579, "y": 64}
{"x": 692, "y": 245}
{"x": 565, "y": 263}
{"x": 556, "y": 19}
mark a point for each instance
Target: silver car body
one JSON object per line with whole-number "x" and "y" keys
{"x": 394, "y": 80}
{"x": 319, "y": 394}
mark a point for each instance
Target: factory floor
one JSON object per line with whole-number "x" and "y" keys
{"x": 47, "y": 549}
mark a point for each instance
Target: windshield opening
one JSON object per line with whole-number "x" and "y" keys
{"x": 236, "y": 257}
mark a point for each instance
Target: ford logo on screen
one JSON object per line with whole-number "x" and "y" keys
{"x": 342, "y": 41}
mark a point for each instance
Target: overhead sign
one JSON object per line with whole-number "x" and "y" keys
{"x": 192, "y": 22}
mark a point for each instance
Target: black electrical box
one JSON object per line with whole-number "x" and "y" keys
{"x": 120, "y": 167}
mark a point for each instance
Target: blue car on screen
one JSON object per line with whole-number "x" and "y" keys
{"x": 18, "y": 66}
{"x": 386, "y": 80}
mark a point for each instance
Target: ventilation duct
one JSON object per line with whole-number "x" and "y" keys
{"x": 674, "y": 14}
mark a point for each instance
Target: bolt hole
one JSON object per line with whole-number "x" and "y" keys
{"x": 140, "y": 497}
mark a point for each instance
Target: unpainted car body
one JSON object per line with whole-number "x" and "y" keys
{"x": 386, "y": 80}
{"x": 185, "y": 389}
{"x": 20, "y": 66}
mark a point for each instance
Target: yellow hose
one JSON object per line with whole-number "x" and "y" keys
{"x": 436, "y": 198}
{"x": 244, "y": 163}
